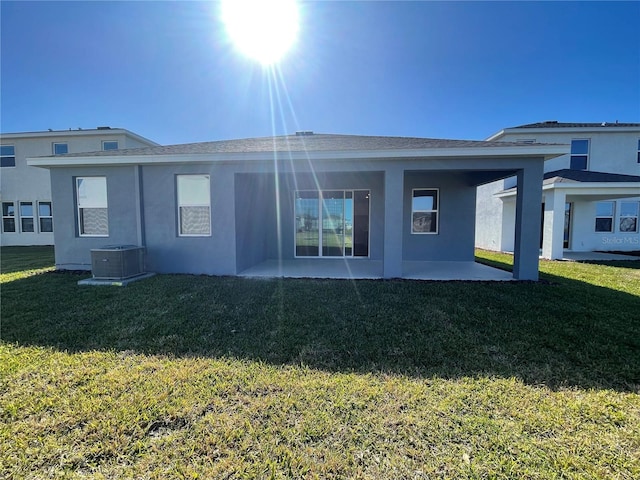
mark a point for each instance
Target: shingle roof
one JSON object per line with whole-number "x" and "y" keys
{"x": 585, "y": 176}
{"x": 303, "y": 143}
{"x": 582, "y": 176}
{"x": 556, "y": 124}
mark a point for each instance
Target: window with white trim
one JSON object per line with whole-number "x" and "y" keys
{"x": 604, "y": 216}
{"x": 628, "y": 217}
{"x": 579, "y": 154}
{"x": 8, "y": 217}
{"x": 26, "y": 217}
{"x": 45, "y": 217}
{"x": 110, "y": 145}
{"x": 194, "y": 205}
{"x": 60, "y": 148}
{"x": 424, "y": 210}
{"x": 93, "y": 211}
{"x": 7, "y": 156}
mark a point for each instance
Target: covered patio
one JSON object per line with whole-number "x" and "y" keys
{"x": 373, "y": 269}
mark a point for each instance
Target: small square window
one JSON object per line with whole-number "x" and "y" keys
{"x": 60, "y": 148}
{"x": 110, "y": 145}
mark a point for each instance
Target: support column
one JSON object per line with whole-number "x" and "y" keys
{"x": 553, "y": 230}
{"x": 140, "y": 228}
{"x": 527, "y": 236}
{"x": 393, "y": 222}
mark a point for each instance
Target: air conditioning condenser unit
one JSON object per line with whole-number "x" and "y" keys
{"x": 116, "y": 262}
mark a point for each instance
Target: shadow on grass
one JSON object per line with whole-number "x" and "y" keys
{"x": 560, "y": 334}
{"x": 632, "y": 264}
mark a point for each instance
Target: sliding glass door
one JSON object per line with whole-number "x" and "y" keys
{"x": 330, "y": 222}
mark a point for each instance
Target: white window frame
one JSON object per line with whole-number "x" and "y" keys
{"x": 637, "y": 204}
{"x": 24, "y": 217}
{"x": 8, "y": 156}
{"x": 186, "y": 205}
{"x": 14, "y": 217}
{"x": 79, "y": 208}
{"x": 436, "y": 210}
{"x": 612, "y": 217}
{"x": 320, "y": 220}
{"x": 55, "y": 144}
{"x": 104, "y": 142}
{"x": 588, "y": 154}
{"x": 40, "y": 217}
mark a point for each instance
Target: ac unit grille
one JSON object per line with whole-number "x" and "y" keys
{"x": 115, "y": 262}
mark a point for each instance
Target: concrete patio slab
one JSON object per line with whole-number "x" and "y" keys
{"x": 372, "y": 269}
{"x": 316, "y": 268}
{"x": 453, "y": 271}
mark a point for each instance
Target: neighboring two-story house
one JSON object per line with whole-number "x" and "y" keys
{"x": 591, "y": 196}
{"x": 25, "y": 191}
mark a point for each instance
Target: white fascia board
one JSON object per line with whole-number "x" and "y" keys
{"x": 79, "y": 133}
{"x": 546, "y": 151}
{"x": 496, "y": 136}
{"x": 65, "y": 133}
{"x": 582, "y": 188}
{"x": 577, "y": 130}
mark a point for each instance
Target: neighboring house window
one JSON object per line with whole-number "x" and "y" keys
{"x": 424, "y": 210}
{"x": 8, "y": 217}
{"x": 7, "y": 156}
{"x": 26, "y": 217}
{"x": 109, "y": 145}
{"x": 93, "y": 212}
{"x": 60, "y": 148}
{"x": 579, "y": 154}
{"x": 638, "y": 151}
{"x": 604, "y": 216}
{"x": 628, "y": 217}
{"x": 194, "y": 205}
{"x": 45, "y": 216}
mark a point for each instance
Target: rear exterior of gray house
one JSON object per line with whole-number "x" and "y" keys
{"x": 221, "y": 208}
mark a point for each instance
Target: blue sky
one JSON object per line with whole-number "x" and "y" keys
{"x": 167, "y": 71}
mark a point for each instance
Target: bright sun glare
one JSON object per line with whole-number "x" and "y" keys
{"x": 261, "y": 29}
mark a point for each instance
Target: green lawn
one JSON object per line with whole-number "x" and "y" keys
{"x": 184, "y": 376}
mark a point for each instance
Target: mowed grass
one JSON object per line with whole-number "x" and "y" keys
{"x": 201, "y": 377}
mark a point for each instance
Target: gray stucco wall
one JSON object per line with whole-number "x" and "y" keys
{"x": 256, "y": 221}
{"x": 244, "y": 199}
{"x": 258, "y": 238}
{"x": 489, "y": 217}
{"x": 455, "y": 238}
{"x": 167, "y": 252}
{"x": 72, "y": 251}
